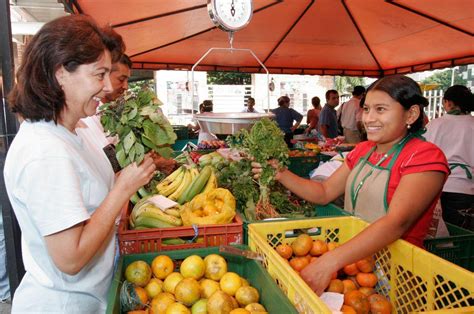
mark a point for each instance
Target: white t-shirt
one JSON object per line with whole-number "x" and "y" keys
{"x": 349, "y": 112}
{"x": 54, "y": 182}
{"x": 454, "y": 134}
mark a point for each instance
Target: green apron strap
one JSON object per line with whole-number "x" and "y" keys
{"x": 453, "y": 165}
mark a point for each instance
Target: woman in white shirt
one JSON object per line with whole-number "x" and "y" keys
{"x": 63, "y": 195}
{"x": 454, "y": 134}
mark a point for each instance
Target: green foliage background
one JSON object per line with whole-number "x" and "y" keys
{"x": 443, "y": 79}
{"x": 228, "y": 78}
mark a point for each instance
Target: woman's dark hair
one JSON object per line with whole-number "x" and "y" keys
{"x": 461, "y": 96}
{"x": 206, "y": 106}
{"x": 68, "y": 41}
{"x": 316, "y": 102}
{"x": 405, "y": 91}
{"x": 283, "y": 100}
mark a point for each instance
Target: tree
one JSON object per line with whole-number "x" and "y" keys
{"x": 345, "y": 84}
{"x": 228, "y": 78}
{"x": 443, "y": 79}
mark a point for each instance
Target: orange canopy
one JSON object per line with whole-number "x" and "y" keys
{"x": 324, "y": 37}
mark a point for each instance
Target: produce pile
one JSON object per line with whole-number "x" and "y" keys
{"x": 139, "y": 123}
{"x": 355, "y": 281}
{"x": 198, "y": 286}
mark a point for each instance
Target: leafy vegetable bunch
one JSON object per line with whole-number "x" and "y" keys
{"x": 140, "y": 124}
{"x": 264, "y": 142}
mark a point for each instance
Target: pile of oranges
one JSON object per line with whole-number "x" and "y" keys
{"x": 356, "y": 281}
{"x": 198, "y": 286}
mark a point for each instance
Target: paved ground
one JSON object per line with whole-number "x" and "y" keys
{"x": 5, "y": 308}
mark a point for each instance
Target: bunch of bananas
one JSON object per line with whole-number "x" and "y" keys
{"x": 146, "y": 215}
{"x": 186, "y": 182}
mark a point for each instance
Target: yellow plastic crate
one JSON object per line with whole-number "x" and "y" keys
{"x": 414, "y": 280}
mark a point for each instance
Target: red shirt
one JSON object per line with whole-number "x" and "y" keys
{"x": 416, "y": 156}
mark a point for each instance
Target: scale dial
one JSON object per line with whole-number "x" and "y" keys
{"x": 230, "y": 15}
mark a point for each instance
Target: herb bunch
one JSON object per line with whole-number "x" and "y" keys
{"x": 139, "y": 123}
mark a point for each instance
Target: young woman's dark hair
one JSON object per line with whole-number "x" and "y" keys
{"x": 68, "y": 41}
{"x": 405, "y": 91}
{"x": 461, "y": 96}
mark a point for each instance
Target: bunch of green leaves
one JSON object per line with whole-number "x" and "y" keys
{"x": 264, "y": 141}
{"x": 139, "y": 123}
{"x": 236, "y": 176}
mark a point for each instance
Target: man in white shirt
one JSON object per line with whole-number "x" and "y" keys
{"x": 348, "y": 115}
{"x": 250, "y": 106}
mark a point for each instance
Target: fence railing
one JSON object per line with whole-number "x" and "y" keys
{"x": 435, "y": 103}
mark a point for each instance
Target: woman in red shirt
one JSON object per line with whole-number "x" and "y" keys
{"x": 381, "y": 178}
{"x": 312, "y": 118}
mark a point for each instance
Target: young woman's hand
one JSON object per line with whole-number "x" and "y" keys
{"x": 318, "y": 274}
{"x": 257, "y": 168}
{"x": 134, "y": 176}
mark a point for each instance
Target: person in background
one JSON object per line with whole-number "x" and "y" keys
{"x": 65, "y": 205}
{"x": 285, "y": 117}
{"x": 91, "y": 126}
{"x": 312, "y": 117}
{"x": 250, "y": 106}
{"x": 207, "y": 106}
{"x": 349, "y": 116}
{"x": 454, "y": 134}
{"x": 328, "y": 115}
{"x": 380, "y": 178}
{"x": 4, "y": 280}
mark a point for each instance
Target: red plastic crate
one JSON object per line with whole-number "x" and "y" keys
{"x": 151, "y": 240}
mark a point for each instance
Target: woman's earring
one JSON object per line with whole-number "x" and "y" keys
{"x": 408, "y": 126}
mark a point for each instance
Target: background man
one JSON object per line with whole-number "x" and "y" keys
{"x": 328, "y": 115}
{"x": 250, "y": 106}
{"x": 349, "y": 113}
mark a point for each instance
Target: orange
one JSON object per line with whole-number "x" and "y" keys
{"x": 208, "y": 287}
{"x": 366, "y": 279}
{"x": 335, "y": 285}
{"x": 255, "y": 307}
{"x": 318, "y": 248}
{"x": 239, "y": 311}
{"x": 138, "y": 273}
{"x": 162, "y": 266}
{"x": 298, "y": 263}
{"x": 230, "y": 283}
{"x": 141, "y": 294}
{"x": 177, "y": 308}
{"x": 332, "y": 245}
{"x": 358, "y": 301}
{"x": 379, "y": 304}
{"x": 247, "y": 295}
{"x": 220, "y": 302}
{"x": 159, "y": 303}
{"x": 244, "y": 282}
{"x": 367, "y": 291}
{"x": 138, "y": 312}
{"x": 171, "y": 281}
{"x": 284, "y": 250}
{"x": 302, "y": 245}
{"x": 346, "y": 309}
{"x": 193, "y": 267}
{"x": 351, "y": 269}
{"x": 187, "y": 291}
{"x": 349, "y": 285}
{"x": 216, "y": 267}
{"x": 200, "y": 307}
{"x": 366, "y": 265}
{"x": 153, "y": 287}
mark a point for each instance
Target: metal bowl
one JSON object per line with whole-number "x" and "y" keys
{"x": 229, "y": 122}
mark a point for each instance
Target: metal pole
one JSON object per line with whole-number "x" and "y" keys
{"x": 8, "y": 129}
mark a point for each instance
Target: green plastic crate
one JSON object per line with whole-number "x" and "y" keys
{"x": 271, "y": 296}
{"x": 181, "y": 131}
{"x": 180, "y": 144}
{"x": 302, "y": 166}
{"x": 458, "y": 248}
